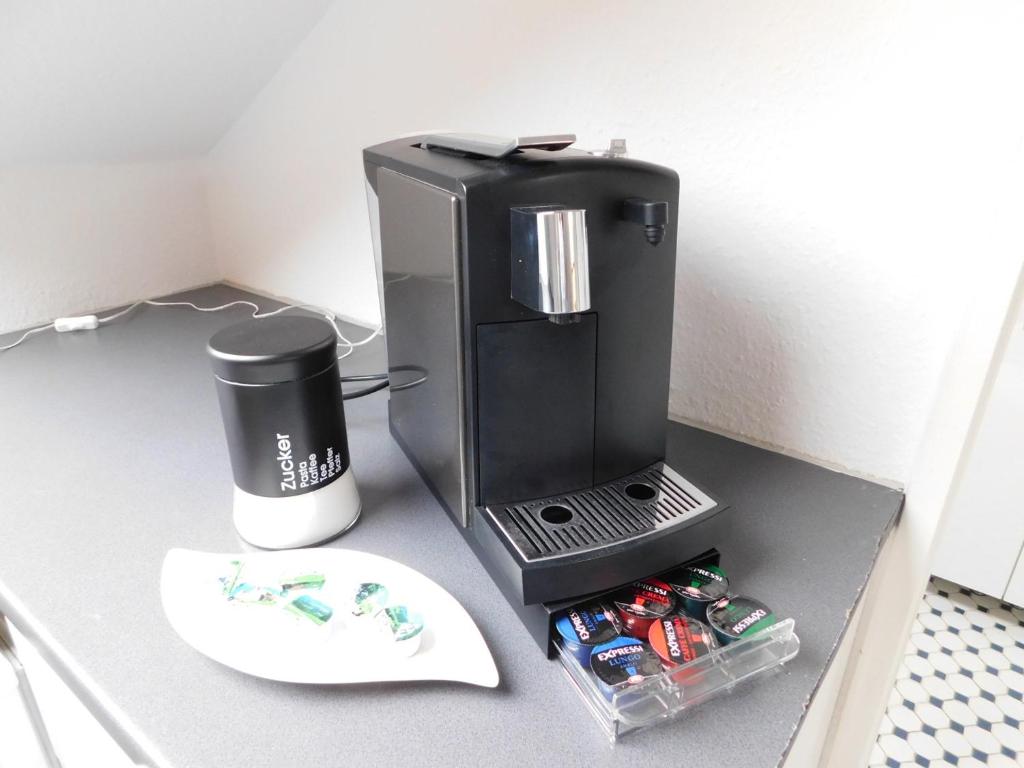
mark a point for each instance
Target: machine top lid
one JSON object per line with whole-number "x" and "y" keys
{"x": 496, "y": 146}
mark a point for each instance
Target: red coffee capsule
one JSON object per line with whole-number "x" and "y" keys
{"x": 641, "y": 603}
{"x": 680, "y": 639}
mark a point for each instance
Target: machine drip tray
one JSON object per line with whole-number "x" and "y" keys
{"x": 591, "y": 540}
{"x": 637, "y": 505}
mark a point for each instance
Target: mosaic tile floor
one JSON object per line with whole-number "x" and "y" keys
{"x": 959, "y": 695}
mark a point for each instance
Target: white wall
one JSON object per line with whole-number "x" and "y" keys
{"x": 98, "y": 81}
{"x": 79, "y": 238}
{"x": 835, "y": 162}
{"x": 983, "y": 531}
{"x": 898, "y": 580}
{"x": 106, "y": 107}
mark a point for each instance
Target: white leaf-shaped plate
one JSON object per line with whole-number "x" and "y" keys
{"x": 269, "y": 641}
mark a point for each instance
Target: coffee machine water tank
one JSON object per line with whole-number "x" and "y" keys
{"x": 534, "y": 285}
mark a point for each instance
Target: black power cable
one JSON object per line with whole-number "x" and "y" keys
{"x": 383, "y": 381}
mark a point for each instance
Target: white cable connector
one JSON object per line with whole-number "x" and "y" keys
{"x": 92, "y": 322}
{"x": 80, "y": 323}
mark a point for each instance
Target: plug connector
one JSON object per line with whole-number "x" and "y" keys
{"x": 79, "y": 323}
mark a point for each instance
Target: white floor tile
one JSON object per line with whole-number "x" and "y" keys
{"x": 925, "y": 643}
{"x": 877, "y": 757}
{"x": 1011, "y": 707}
{"x": 938, "y": 688}
{"x": 982, "y": 740}
{"x": 1009, "y": 737}
{"x": 1014, "y": 681}
{"x": 1001, "y": 761}
{"x": 918, "y": 666}
{"x": 997, "y": 636}
{"x": 932, "y": 716}
{"x": 985, "y": 710}
{"x": 912, "y": 690}
{"x": 964, "y": 685}
{"x": 905, "y": 718}
{"x": 953, "y": 742}
{"x": 993, "y": 658}
{"x": 969, "y": 661}
{"x": 896, "y": 748}
{"x": 990, "y": 683}
{"x": 925, "y": 745}
{"x": 959, "y": 699}
{"x": 945, "y": 664}
{"x": 950, "y": 641}
{"x": 960, "y": 713}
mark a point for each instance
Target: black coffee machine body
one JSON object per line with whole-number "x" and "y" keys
{"x": 532, "y": 285}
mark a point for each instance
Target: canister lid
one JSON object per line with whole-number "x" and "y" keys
{"x": 272, "y": 350}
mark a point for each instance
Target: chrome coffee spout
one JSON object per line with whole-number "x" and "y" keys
{"x": 550, "y": 260}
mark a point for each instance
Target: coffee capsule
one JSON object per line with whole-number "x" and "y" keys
{"x": 584, "y": 626}
{"x": 623, "y": 662}
{"x": 679, "y": 639}
{"x": 640, "y": 603}
{"x": 696, "y": 586}
{"x": 736, "y": 617}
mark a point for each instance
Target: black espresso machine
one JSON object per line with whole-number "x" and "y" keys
{"x": 532, "y": 286}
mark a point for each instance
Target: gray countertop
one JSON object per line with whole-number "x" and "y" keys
{"x": 113, "y": 452}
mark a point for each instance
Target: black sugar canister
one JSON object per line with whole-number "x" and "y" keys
{"x": 280, "y": 398}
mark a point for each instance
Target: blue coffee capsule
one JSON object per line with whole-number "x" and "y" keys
{"x": 623, "y": 662}
{"x": 584, "y": 626}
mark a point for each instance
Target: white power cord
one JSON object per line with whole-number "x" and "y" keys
{"x": 91, "y": 322}
{"x": 25, "y": 335}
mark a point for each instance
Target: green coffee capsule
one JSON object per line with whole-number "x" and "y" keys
{"x": 696, "y": 586}
{"x": 733, "y": 618}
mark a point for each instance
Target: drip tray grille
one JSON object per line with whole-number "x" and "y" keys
{"x": 637, "y": 505}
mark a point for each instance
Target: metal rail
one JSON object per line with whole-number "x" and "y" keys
{"x": 28, "y": 699}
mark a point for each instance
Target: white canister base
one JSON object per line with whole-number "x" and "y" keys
{"x": 298, "y": 521}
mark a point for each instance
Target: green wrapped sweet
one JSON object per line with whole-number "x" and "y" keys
{"x": 404, "y": 627}
{"x": 311, "y": 608}
{"x": 250, "y": 594}
{"x": 227, "y": 583}
{"x": 369, "y": 599}
{"x": 305, "y": 581}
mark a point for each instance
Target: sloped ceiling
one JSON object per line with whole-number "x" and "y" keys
{"x": 110, "y": 81}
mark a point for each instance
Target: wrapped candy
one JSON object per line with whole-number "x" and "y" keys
{"x": 311, "y": 608}
{"x": 369, "y": 599}
{"x": 403, "y": 626}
